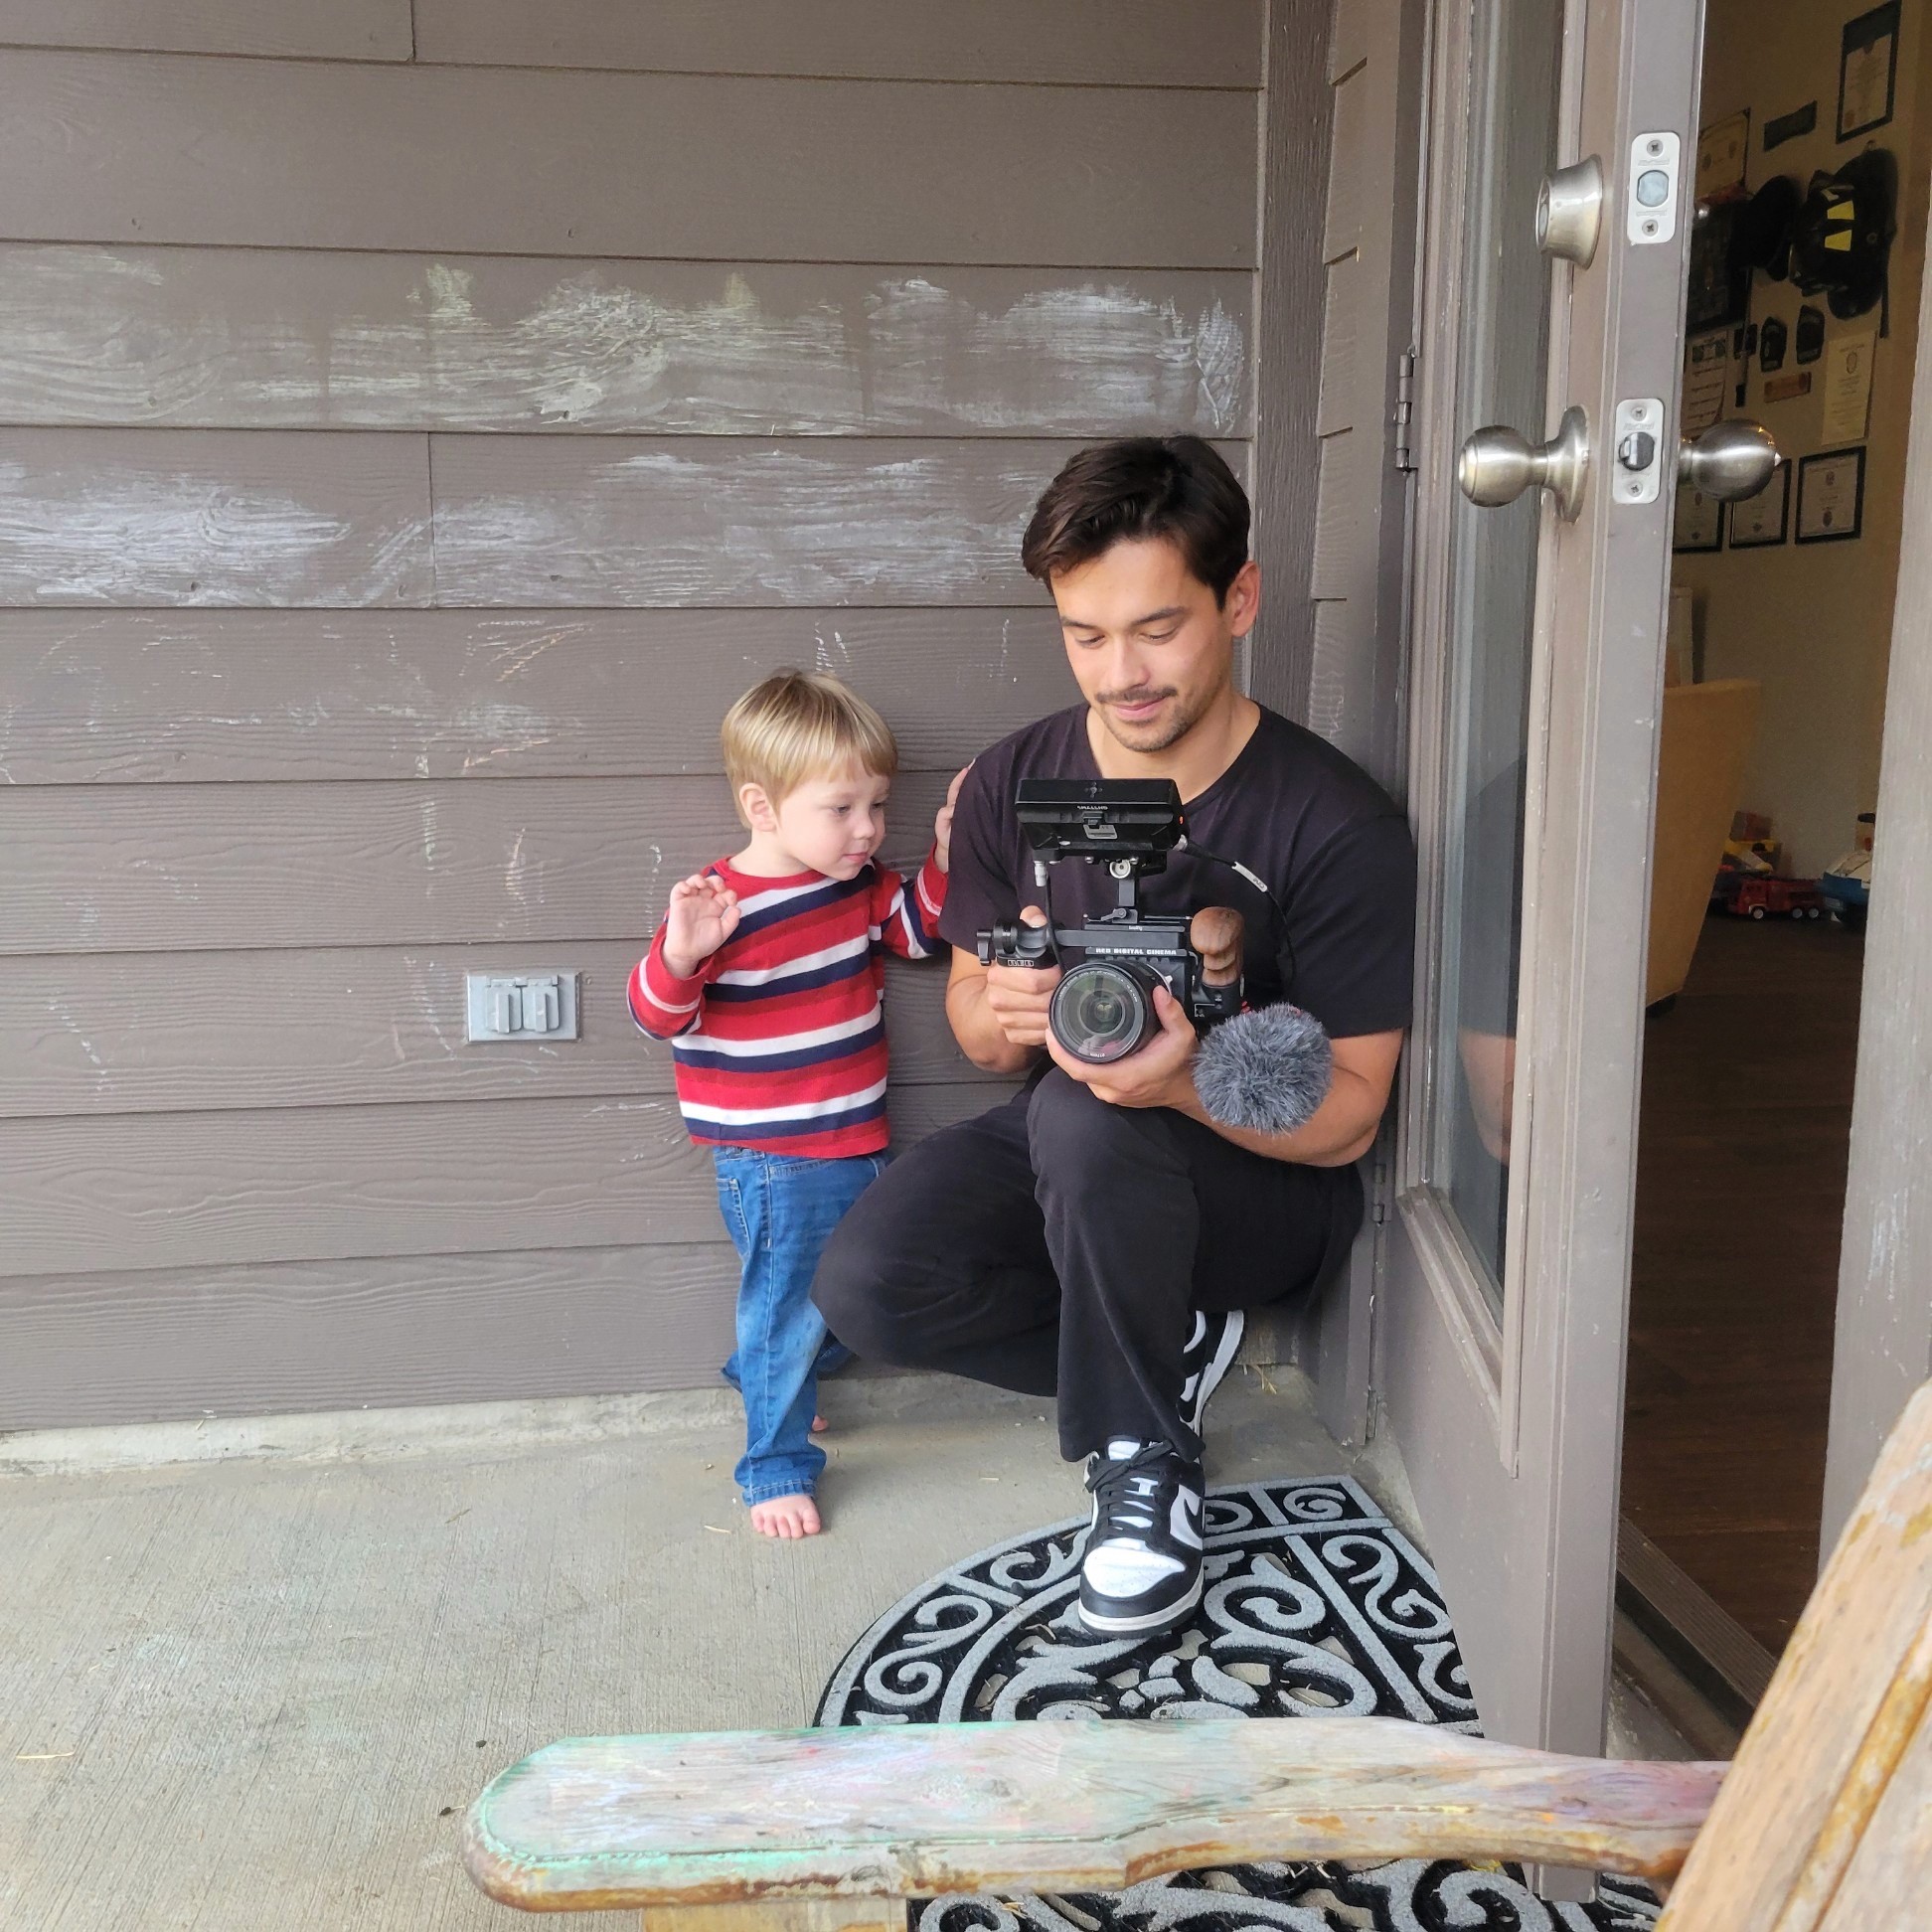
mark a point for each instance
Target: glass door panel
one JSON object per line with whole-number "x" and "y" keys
{"x": 1514, "y": 54}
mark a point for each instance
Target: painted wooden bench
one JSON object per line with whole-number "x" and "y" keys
{"x": 1823, "y": 1822}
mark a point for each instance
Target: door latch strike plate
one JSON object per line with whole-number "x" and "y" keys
{"x": 1636, "y": 443}
{"x": 1651, "y": 194}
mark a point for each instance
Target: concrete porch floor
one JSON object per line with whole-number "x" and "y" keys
{"x": 256, "y": 1689}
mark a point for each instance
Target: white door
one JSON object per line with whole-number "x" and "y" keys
{"x": 1535, "y": 676}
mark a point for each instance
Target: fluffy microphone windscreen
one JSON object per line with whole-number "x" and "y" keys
{"x": 1268, "y": 1070}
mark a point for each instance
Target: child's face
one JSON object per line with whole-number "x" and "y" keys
{"x": 833, "y": 825}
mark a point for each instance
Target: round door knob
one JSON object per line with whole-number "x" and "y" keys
{"x": 1729, "y": 461}
{"x": 1497, "y": 465}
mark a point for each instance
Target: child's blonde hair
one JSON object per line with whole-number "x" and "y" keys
{"x": 802, "y": 725}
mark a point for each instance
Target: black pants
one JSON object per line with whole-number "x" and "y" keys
{"x": 1059, "y": 1246}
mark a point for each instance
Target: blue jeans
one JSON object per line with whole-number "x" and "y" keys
{"x": 780, "y": 1209}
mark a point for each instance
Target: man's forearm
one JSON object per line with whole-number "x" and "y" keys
{"x": 977, "y": 1028}
{"x": 1341, "y": 1130}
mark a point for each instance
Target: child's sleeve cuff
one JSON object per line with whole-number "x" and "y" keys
{"x": 665, "y": 989}
{"x": 930, "y": 885}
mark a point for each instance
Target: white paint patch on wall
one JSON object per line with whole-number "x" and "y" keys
{"x": 213, "y": 336}
{"x": 213, "y": 517}
{"x": 597, "y": 521}
{"x": 183, "y": 696}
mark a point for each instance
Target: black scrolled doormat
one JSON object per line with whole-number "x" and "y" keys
{"x": 1315, "y": 1604}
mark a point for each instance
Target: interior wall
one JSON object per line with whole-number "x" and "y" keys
{"x": 1812, "y": 622}
{"x": 415, "y": 425}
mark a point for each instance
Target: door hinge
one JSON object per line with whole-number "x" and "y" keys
{"x": 1404, "y": 408}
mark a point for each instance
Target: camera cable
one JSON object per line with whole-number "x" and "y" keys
{"x": 1286, "y": 950}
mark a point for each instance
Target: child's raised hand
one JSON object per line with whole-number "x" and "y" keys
{"x": 942, "y": 824}
{"x": 703, "y": 914}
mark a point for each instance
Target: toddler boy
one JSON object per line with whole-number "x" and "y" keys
{"x": 768, "y": 976}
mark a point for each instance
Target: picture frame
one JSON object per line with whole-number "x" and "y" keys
{"x": 1868, "y": 71}
{"x": 1716, "y": 294}
{"x": 1831, "y": 496}
{"x": 1763, "y": 522}
{"x": 1696, "y": 522}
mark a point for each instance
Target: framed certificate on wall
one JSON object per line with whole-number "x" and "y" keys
{"x": 1761, "y": 521}
{"x": 1699, "y": 523}
{"x": 1831, "y": 496}
{"x": 1868, "y": 71}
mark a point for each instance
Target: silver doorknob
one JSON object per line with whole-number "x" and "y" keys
{"x": 1729, "y": 461}
{"x": 1497, "y": 465}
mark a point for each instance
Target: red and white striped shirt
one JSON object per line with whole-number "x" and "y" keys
{"x": 779, "y": 1038}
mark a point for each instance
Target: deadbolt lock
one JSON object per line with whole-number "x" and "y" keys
{"x": 1569, "y": 211}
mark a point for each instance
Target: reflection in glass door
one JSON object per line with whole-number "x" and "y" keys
{"x": 1515, "y": 57}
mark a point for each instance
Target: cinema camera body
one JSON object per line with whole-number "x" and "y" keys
{"x": 1103, "y": 1007}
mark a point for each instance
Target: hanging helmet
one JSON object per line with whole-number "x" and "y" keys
{"x": 1842, "y": 238}
{"x": 1762, "y": 236}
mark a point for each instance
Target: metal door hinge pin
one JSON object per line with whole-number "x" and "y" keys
{"x": 1404, "y": 409}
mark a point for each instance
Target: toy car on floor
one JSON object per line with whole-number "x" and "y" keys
{"x": 1778, "y": 897}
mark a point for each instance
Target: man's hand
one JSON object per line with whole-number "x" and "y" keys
{"x": 1161, "y": 1075}
{"x": 1157, "y": 1074}
{"x": 1017, "y": 996}
{"x": 703, "y": 914}
{"x": 942, "y": 824}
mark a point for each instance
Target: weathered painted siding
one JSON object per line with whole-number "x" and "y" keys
{"x": 1354, "y": 670}
{"x": 226, "y": 338}
{"x": 329, "y": 154}
{"x": 413, "y": 432}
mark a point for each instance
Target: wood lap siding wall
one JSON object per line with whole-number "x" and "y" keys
{"x": 1375, "y": 62}
{"x": 413, "y": 432}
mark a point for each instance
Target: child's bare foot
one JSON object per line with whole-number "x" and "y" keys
{"x": 818, "y": 1425}
{"x": 786, "y": 1516}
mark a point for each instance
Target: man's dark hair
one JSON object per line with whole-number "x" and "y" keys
{"x": 1177, "y": 487}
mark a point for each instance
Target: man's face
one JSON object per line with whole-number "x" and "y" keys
{"x": 1150, "y": 648}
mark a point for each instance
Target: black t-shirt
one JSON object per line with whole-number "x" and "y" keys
{"x": 1332, "y": 847}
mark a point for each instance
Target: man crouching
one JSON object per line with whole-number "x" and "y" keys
{"x": 1098, "y": 1236}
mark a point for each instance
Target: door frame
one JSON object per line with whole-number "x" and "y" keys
{"x": 1341, "y": 157}
{"x": 1884, "y": 1341}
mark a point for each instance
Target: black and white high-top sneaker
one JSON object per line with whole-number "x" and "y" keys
{"x": 1210, "y": 1352}
{"x": 1141, "y": 1568}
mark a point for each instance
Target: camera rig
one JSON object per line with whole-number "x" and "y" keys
{"x": 1103, "y": 1008}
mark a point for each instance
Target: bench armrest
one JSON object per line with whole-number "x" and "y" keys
{"x": 729, "y": 1818}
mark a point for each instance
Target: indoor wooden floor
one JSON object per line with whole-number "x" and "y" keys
{"x": 1740, "y": 1190}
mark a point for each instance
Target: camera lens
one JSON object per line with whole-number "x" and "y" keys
{"x": 1100, "y": 1011}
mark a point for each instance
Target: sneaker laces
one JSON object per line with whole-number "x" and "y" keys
{"x": 1128, "y": 1492}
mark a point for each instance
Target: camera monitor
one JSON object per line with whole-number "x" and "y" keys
{"x": 1101, "y": 818}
